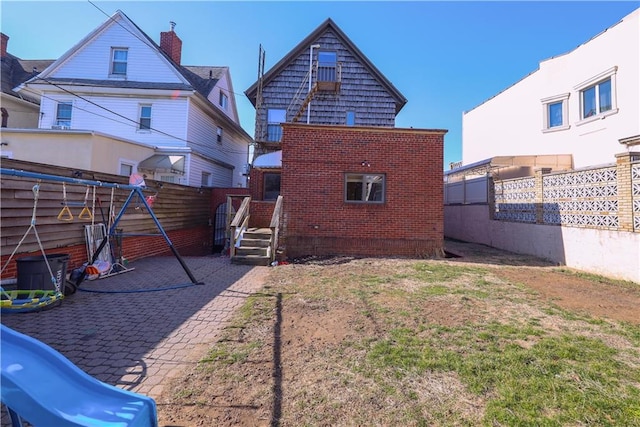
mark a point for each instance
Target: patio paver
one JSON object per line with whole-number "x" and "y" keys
{"x": 139, "y": 337}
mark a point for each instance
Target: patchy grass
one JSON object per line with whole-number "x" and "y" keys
{"x": 412, "y": 343}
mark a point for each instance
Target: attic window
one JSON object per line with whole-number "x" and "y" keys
{"x": 119, "y": 61}
{"x": 327, "y": 62}
{"x": 224, "y": 101}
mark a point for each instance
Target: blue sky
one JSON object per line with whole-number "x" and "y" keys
{"x": 445, "y": 57}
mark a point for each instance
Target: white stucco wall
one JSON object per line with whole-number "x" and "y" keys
{"x": 511, "y": 123}
{"x": 73, "y": 149}
{"x": 613, "y": 254}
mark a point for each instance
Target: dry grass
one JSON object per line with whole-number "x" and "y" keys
{"x": 381, "y": 342}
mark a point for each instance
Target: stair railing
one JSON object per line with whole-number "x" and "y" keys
{"x": 275, "y": 228}
{"x": 297, "y": 99}
{"x": 239, "y": 225}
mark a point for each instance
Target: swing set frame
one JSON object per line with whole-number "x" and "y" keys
{"x": 134, "y": 191}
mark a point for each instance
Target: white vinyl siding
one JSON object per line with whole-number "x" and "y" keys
{"x": 219, "y": 175}
{"x": 93, "y": 60}
{"x": 169, "y": 117}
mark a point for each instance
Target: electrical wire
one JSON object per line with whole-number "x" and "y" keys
{"x": 129, "y": 122}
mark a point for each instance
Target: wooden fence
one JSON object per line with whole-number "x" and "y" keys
{"x": 183, "y": 212}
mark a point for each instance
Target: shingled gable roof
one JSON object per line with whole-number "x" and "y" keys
{"x": 304, "y": 46}
{"x": 15, "y": 71}
{"x": 202, "y": 79}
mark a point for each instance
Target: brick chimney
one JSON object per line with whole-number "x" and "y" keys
{"x": 5, "y": 41}
{"x": 171, "y": 44}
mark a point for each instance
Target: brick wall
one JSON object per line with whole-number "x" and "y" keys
{"x": 318, "y": 221}
{"x": 188, "y": 242}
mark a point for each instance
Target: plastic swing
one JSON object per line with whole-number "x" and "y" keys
{"x": 18, "y": 301}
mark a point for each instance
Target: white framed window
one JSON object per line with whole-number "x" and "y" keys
{"x": 327, "y": 63}
{"x": 205, "y": 181}
{"x": 555, "y": 113}
{"x": 63, "y": 114}
{"x": 364, "y": 188}
{"x": 223, "y": 101}
{"x": 145, "y": 117}
{"x": 598, "y": 96}
{"x": 274, "y": 118}
{"x": 119, "y": 57}
{"x": 219, "y": 133}
{"x": 126, "y": 167}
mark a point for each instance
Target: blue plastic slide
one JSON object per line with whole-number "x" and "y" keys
{"x": 44, "y": 388}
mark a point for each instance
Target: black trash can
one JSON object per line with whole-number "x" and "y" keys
{"x": 34, "y": 275}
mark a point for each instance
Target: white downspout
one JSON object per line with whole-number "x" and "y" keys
{"x": 313, "y": 46}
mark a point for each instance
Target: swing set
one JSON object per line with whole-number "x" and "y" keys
{"x": 30, "y": 300}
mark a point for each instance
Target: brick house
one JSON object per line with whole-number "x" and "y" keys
{"x": 357, "y": 191}
{"x": 351, "y": 183}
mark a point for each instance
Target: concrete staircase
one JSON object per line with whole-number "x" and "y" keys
{"x": 254, "y": 248}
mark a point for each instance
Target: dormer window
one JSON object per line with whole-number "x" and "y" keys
{"x": 119, "y": 61}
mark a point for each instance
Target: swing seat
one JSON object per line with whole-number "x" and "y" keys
{"x": 20, "y": 301}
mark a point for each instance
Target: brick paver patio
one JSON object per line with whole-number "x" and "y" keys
{"x": 136, "y": 337}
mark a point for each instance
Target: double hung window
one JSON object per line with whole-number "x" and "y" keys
{"x": 119, "y": 61}
{"x": 274, "y": 118}
{"x": 63, "y": 114}
{"x": 145, "y": 117}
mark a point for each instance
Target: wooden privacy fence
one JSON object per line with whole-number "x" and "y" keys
{"x": 184, "y": 212}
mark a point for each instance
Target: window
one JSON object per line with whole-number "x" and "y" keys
{"x": 219, "y": 135}
{"x": 274, "y": 130}
{"x": 224, "y": 101}
{"x": 125, "y": 169}
{"x": 351, "y": 118}
{"x": 119, "y": 61}
{"x": 555, "y": 113}
{"x": 168, "y": 178}
{"x": 596, "y": 99}
{"x": 327, "y": 62}
{"x": 206, "y": 179}
{"x": 363, "y": 188}
{"x": 145, "y": 117}
{"x": 63, "y": 114}
{"x": 598, "y": 96}
{"x": 271, "y": 186}
{"x": 5, "y": 117}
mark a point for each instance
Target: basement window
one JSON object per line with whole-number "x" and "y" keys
{"x": 364, "y": 188}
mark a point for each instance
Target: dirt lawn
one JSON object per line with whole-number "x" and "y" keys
{"x": 284, "y": 361}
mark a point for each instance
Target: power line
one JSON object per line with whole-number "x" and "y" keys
{"x": 134, "y": 123}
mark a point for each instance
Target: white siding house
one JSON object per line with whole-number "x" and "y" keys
{"x": 119, "y": 82}
{"x": 581, "y": 103}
